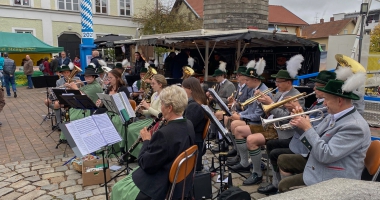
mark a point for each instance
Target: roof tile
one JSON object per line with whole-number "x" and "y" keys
{"x": 325, "y": 29}
{"x": 281, "y": 15}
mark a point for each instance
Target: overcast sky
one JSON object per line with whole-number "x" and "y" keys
{"x": 308, "y": 10}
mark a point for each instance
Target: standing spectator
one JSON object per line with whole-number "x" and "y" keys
{"x": 54, "y": 64}
{"x": 95, "y": 58}
{"x": 168, "y": 65}
{"x": 63, "y": 60}
{"x": 47, "y": 71}
{"x": 9, "y": 75}
{"x": 1, "y": 71}
{"x": 2, "y": 101}
{"x": 139, "y": 64}
{"x": 77, "y": 61}
{"x": 40, "y": 61}
{"x": 180, "y": 60}
{"x": 28, "y": 71}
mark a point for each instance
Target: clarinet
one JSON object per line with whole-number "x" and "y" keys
{"x": 134, "y": 145}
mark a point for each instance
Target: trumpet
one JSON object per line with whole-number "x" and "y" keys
{"x": 275, "y": 122}
{"x": 270, "y": 107}
{"x": 254, "y": 98}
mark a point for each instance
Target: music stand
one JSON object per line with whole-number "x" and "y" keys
{"x": 220, "y": 102}
{"x": 45, "y": 82}
{"x": 82, "y": 102}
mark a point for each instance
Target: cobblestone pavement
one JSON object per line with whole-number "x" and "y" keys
{"x": 31, "y": 167}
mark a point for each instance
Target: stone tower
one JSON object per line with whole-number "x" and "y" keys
{"x": 235, "y": 14}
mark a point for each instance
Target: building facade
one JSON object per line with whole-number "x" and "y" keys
{"x": 58, "y": 22}
{"x": 372, "y": 19}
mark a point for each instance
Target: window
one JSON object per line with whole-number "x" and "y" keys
{"x": 22, "y": 2}
{"x": 68, "y": 5}
{"x": 125, "y": 7}
{"x": 323, "y": 47}
{"x": 24, "y": 31}
{"x": 101, "y": 6}
{"x": 345, "y": 31}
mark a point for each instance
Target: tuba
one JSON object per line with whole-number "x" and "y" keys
{"x": 147, "y": 89}
{"x": 345, "y": 61}
{"x": 187, "y": 72}
{"x": 74, "y": 72}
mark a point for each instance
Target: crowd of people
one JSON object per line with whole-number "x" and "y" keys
{"x": 304, "y": 152}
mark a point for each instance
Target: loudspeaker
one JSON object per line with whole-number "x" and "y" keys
{"x": 202, "y": 186}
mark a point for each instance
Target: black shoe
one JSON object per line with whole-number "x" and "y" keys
{"x": 253, "y": 179}
{"x": 15, "y": 95}
{"x": 269, "y": 189}
{"x": 233, "y": 161}
{"x": 239, "y": 168}
{"x": 232, "y": 153}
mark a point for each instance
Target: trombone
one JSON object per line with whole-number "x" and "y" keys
{"x": 254, "y": 98}
{"x": 275, "y": 122}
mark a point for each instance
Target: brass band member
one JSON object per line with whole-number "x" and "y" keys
{"x": 90, "y": 89}
{"x": 278, "y": 147}
{"x": 254, "y": 141}
{"x": 65, "y": 71}
{"x": 150, "y": 179}
{"x": 150, "y": 110}
{"x": 194, "y": 112}
{"x": 338, "y": 145}
{"x": 253, "y": 113}
{"x": 139, "y": 86}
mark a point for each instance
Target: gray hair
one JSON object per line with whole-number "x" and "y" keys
{"x": 176, "y": 97}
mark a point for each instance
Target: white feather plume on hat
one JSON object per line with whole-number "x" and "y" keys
{"x": 294, "y": 64}
{"x": 251, "y": 64}
{"x": 222, "y": 66}
{"x": 125, "y": 62}
{"x": 342, "y": 73}
{"x": 190, "y": 62}
{"x": 92, "y": 64}
{"x": 354, "y": 82}
{"x": 71, "y": 66}
{"x": 102, "y": 63}
{"x": 260, "y": 66}
{"x": 147, "y": 65}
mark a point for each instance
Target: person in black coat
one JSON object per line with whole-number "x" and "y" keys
{"x": 194, "y": 112}
{"x": 139, "y": 64}
{"x": 151, "y": 179}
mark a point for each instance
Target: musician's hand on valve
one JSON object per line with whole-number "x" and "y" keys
{"x": 302, "y": 122}
{"x": 264, "y": 99}
{"x": 145, "y": 135}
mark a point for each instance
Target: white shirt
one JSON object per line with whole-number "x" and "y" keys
{"x": 221, "y": 83}
{"x": 282, "y": 96}
{"x": 338, "y": 115}
{"x": 241, "y": 87}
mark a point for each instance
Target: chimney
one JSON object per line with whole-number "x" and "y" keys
{"x": 321, "y": 21}
{"x": 331, "y": 19}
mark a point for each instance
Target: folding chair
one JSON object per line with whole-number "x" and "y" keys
{"x": 372, "y": 159}
{"x": 133, "y": 103}
{"x": 205, "y": 129}
{"x": 181, "y": 168}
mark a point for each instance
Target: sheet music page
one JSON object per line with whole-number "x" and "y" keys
{"x": 213, "y": 119}
{"x": 77, "y": 138}
{"x": 90, "y": 134}
{"x": 127, "y": 104}
{"x": 107, "y": 101}
{"x": 107, "y": 129}
{"x": 120, "y": 107}
{"x": 220, "y": 101}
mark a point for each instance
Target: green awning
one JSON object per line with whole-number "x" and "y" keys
{"x": 24, "y": 43}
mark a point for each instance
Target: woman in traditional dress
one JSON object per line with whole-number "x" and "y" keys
{"x": 150, "y": 110}
{"x": 90, "y": 90}
{"x": 150, "y": 180}
{"x": 194, "y": 112}
{"x": 115, "y": 85}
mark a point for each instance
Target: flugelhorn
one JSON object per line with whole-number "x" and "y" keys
{"x": 270, "y": 107}
{"x": 275, "y": 122}
{"x": 254, "y": 98}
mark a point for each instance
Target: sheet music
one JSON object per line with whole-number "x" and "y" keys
{"x": 77, "y": 139}
{"x": 127, "y": 104}
{"x": 107, "y": 129}
{"x": 214, "y": 120}
{"x": 107, "y": 101}
{"x": 220, "y": 102}
{"x": 90, "y": 134}
{"x": 124, "y": 116}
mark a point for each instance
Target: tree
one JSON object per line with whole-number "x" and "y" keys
{"x": 164, "y": 20}
{"x": 375, "y": 39}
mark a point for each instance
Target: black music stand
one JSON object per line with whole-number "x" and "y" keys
{"x": 45, "y": 82}
{"x": 82, "y": 102}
